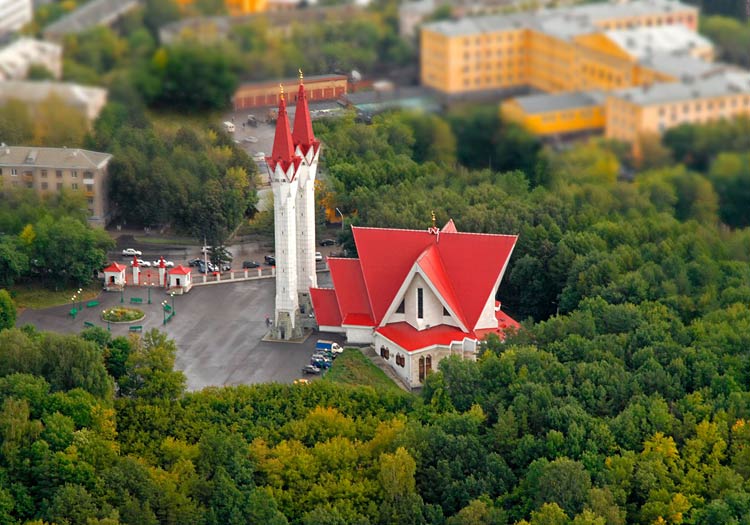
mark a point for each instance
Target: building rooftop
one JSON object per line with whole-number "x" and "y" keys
{"x": 37, "y": 91}
{"x": 563, "y": 22}
{"x": 91, "y": 14}
{"x": 683, "y": 65}
{"x": 533, "y": 104}
{"x": 726, "y": 83}
{"x": 642, "y": 42}
{"x": 16, "y": 57}
{"x": 52, "y": 157}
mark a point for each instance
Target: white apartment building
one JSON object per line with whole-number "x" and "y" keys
{"x": 14, "y": 14}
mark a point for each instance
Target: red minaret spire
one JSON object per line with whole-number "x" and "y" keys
{"x": 283, "y": 146}
{"x": 303, "y": 131}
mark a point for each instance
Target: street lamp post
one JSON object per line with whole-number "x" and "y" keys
{"x": 342, "y": 218}
{"x": 164, "y": 311}
{"x": 172, "y": 294}
{"x": 80, "y": 299}
{"x": 122, "y": 294}
{"x": 149, "y": 293}
{"x": 104, "y": 316}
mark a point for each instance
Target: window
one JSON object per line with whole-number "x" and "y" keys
{"x": 44, "y": 185}
{"x": 58, "y": 174}
{"x": 445, "y": 312}
{"x": 420, "y": 303}
{"x": 29, "y": 185}
{"x": 14, "y": 172}
{"x": 44, "y": 174}
{"x": 1, "y": 171}
{"x": 89, "y": 187}
{"x": 59, "y": 186}
{"x": 401, "y": 308}
{"x": 75, "y": 173}
{"x": 74, "y": 186}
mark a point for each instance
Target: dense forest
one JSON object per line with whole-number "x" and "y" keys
{"x": 623, "y": 399}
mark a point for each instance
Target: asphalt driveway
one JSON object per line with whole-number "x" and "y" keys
{"x": 217, "y": 328}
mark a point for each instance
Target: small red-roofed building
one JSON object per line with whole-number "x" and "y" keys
{"x": 417, "y": 296}
{"x": 180, "y": 280}
{"x": 114, "y": 277}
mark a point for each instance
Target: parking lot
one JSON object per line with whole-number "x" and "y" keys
{"x": 217, "y": 328}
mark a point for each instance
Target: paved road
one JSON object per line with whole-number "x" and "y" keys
{"x": 218, "y": 330}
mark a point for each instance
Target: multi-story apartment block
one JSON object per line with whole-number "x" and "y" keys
{"x": 52, "y": 170}
{"x": 550, "y": 50}
{"x": 14, "y": 14}
{"x": 17, "y": 58}
{"x": 238, "y": 7}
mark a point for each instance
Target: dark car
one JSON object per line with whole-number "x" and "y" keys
{"x": 327, "y": 242}
{"x": 270, "y": 259}
{"x": 310, "y": 369}
{"x": 320, "y": 363}
{"x": 194, "y": 262}
{"x": 250, "y": 264}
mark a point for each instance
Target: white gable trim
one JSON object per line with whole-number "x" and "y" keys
{"x": 491, "y": 297}
{"x": 416, "y": 270}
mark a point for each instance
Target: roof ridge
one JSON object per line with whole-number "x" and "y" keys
{"x": 441, "y": 233}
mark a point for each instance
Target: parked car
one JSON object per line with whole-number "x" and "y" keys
{"x": 168, "y": 264}
{"x": 195, "y": 262}
{"x": 132, "y": 252}
{"x": 327, "y": 242}
{"x": 318, "y": 256}
{"x": 251, "y": 139}
{"x": 226, "y": 267}
{"x": 270, "y": 259}
{"x": 301, "y": 381}
{"x": 250, "y": 264}
{"x": 320, "y": 363}
{"x": 310, "y": 369}
{"x": 322, "y": 357}
{"x": 145, "y": 264}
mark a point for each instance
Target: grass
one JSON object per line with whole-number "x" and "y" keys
{"x": 167, "y": 240}
{"x": 37, "y": 296}
{"x": 354, "y": 368}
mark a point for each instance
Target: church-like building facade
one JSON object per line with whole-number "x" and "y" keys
{"x": 417, "y": 296}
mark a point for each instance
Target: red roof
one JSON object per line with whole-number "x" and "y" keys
{"x": 179, "y": 270}
{"x": 303, "y": 135}
{"x": 283, "y": 146}
{"x": 471, "y": 262}
{"x": 350, "y": 291}
{"x": 410, "y": 339}
{"x": 326, "y": 306}
{"x": 115, "y": 267}
{"x": 504, "y": 322}
{"x": 432, "y": 266}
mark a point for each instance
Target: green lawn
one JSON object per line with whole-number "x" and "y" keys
{"x": 37, "y": 296}
{"x": 354, "y": 368}
{"x": 167, "y": 240}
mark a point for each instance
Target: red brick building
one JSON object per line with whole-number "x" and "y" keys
{"x": 263, "y": 94}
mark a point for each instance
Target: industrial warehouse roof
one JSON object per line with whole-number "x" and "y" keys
{"x": 52, "y": 157}
{"x": 563, "y": 22}
{"x": 727, "y": 83}
{"x": 533, "y": 104}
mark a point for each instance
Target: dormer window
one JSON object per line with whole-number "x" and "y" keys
{"x": 445, "y": 312}
{"x": 401, "y": 308}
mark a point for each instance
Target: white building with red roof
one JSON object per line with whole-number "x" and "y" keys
{"x": 417, "y": 296}
{"x": 114, "y": 277}
{"x": 180, "y": 280}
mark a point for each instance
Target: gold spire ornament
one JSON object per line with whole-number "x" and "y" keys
{"x": 434, "y": 223}
{"x": 301, "y": 76}
{"x": 281, "y": 90}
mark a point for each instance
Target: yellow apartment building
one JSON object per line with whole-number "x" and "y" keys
{"x": 555, "y": 50}
{"x": 564, "y": 113}
{"x": 652, "y": 109}
{"x": 237, "y": 7}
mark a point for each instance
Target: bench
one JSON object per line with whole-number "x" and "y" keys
{"x": 136, "y": 300}
{"x": 87, "y": 324}
{"x": 136, "y": 328}
{"x": 73, "y": 312}
{"x": 91, "y": 304}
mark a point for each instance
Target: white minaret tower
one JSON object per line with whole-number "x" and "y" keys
{"x": 308, "y": 149}
{"x": 283, "y": 166}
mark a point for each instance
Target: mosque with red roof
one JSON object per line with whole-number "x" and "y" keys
{"x": 417, "y": 296}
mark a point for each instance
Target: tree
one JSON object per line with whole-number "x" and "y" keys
{"x": 563, "y": 481}
{"x": 401, "y": 503}
{"x": 16, "y": 123}
{"x": 58, "y": 124}
{"x": 190, "y": 76}
{"x": 149, "y": 366}
{"x": 7, "y": 310}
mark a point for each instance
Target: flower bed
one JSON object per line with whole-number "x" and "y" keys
{"x": 120, "y": 314}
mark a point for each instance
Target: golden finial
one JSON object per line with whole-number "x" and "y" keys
{"x": 281, "y": 90}
{"x": 434, "y": 224}
{"x": 301, "y": 76}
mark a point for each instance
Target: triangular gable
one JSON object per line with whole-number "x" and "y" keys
{"x": 472, "y": 264}
{"x": 351, "y": 292}
{"x": 428, "y": 267}
{"x": 450, "y": 227}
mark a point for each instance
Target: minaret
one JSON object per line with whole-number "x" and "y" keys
{"x": 308, "y": 149}
{"x": 283, "y": 166}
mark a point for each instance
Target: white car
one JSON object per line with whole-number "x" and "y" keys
{"x": 143, "y": 263}
{"x": 318, "y": 256}
{"x": 131, "y": 252}
{"x": 168, "y": 264}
